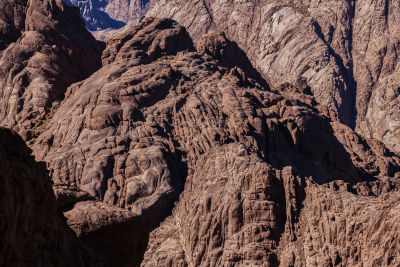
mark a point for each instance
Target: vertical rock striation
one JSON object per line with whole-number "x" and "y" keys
{"x": 346, "y": 50}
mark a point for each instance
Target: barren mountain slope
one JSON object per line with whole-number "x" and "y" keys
{"x": 347, "y": 50}
{"x": 159, "y": 117}
{"x": 109, "y": 14}
{"x": 44, "y": 47}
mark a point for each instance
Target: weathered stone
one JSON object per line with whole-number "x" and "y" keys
{"x": 44, "y": 47}
{"x": 346, "y": 50}
{"x": 158, "y": 119}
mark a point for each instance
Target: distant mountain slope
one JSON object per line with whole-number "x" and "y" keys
{"x": 113, "y": 14}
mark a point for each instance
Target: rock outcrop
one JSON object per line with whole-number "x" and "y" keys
{"x": 32, "y": 232}
{"x": 250, "y": 214}
{"x": 323, "y": 42}
{"x": 116, "y": 236}
{"x": 93, "y": 14}
{"x": 160, "y": 118}
{"x": 44, "y": 47}
{"x": 111, "y": 151}
{"x": 346, "y": 50}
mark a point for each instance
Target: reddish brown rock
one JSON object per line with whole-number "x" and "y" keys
{"x": 112, "y": 152}
{"x": 338, "y": 228}
{"x": 193, "y": 142}
{"x": 44, "y": 48}
{"x": 117, "y": 236}
{"x": 248, "y": 213}
{"x": 67, "y": 196}
{"x": 346, "y": 50}
{"x": 158, "y": 116}
{"x": 283, "y": 39}
{"x": 35, "y": 234}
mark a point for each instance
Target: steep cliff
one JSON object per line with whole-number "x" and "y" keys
{"x": 346, "y": 50}
{"x": 256, "y": 137}
{"x": 35, "y": 234}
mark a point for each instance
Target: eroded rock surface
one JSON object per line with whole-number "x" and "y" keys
{"x": 281, "y": 38}
{"x": 160, "y": 118}
{"x": 44, "y": 48}
{"x": 35, "y": 234}
{"x": 346, "y": 50}
{"x": 237, "y": 210}
{"x": 117, "y": 236}
{"x": 338, "y": 228}
{"x": 112, "y": 151}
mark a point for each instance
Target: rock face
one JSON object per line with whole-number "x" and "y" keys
{"x": 44, "y": 47}
{"x": 237, "y": 151}
{"x": 117, "y": 236}
{"x": 93, "y": 13}
{"x": 337, "y": 228}
{"x": 32, "y": 233}
{"x": 346, "y": 50}
{"x": 109, "y": 14}
{"x": 160, "y": 118}
{"x": 115, "y": 150}
{"x": 249, "y": 214}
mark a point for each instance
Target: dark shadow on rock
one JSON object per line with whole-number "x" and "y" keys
{"x": 229, "y": 55}
{"x": 95, "y": 19}
{"x": 313, "y": 150}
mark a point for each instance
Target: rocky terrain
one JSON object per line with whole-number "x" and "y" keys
{"x": 347, "y": 50}
{"x": 220, "y": 139}
{"x": 109, "y": 14}
{"x": 44, "y": 47}
{"x": 32, "y": 233}
{"x": 160, "y": 114}
{"x": 41, "y": 54}
{"x": 35, "y": 234}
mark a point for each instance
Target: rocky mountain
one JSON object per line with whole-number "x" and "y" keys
{"x": 44, "y": 47}
{"x": 236, "y": 141}
{"x": 109, "y": 14}
{"x": 346, "y": 50}
{"x": 160, "y": 118}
